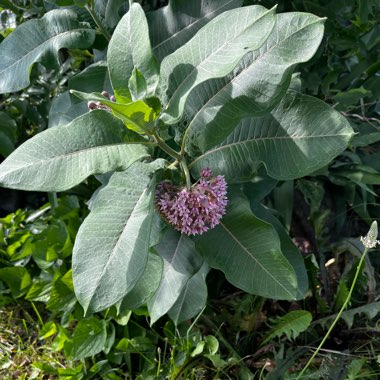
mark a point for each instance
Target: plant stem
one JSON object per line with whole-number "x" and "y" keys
{"x": 171, "y": 152}
{"x": 53, "y": 200}
{"x": 185, "y": 169}
{"x": 166, "y": 148}
{"x": 358, "y": 269}
{"x": 98, "y": 23}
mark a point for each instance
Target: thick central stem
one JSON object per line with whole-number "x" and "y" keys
{"x": 179, "y": 157}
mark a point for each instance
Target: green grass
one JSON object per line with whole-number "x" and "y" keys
{"x": 22, "y": 354}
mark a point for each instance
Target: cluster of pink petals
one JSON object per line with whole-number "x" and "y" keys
{"x": 195, "y": 210}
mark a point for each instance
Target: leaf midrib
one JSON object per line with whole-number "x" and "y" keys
{"x": 253, "y": 257}
{"x": 49, "y": 159}
{"x": 251, "y": 140}
{"x": 225, "y": 43}
{"x": 249, "y": 67}
{"x": 190, "y": 25}
{"x": 42, "y": 44}
{"x": 117, "y": 244}
{"x": 170, "y": 262}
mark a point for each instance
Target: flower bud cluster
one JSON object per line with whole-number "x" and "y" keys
{"x": 98, "y": 105}
{"x": 195, "y": 210}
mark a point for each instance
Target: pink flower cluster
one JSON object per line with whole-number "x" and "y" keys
{"x": 195, "y": 210}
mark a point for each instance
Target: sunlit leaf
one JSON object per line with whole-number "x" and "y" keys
{"x": 212, "y": 53}
{"x": 39, "y": 41}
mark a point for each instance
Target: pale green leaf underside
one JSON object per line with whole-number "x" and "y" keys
{"x": 248, "y": 251}
{"x": 182, "y": 19}
{"x": 192, "y": 299}
{"x": 111, "y": 248}
{"x": 301, "y": 135}
{"x": 255, "y": 86}
{"x": 59, "y": 158}
{"x": 180, "y": 263}
{"x": 212, "y": 53}
{"x": 39, "y": 41}
{"x": 129, "y": 48}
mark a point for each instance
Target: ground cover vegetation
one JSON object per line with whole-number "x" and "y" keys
{"x": 198, "y": 177}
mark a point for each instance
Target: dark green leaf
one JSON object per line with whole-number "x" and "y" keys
{"x": 17, "y": 278}
{"x": 289, "y": 250}
{"x": 248, "y": 251}
{"x": 89, "y": 338}
{"x": 182, "y": 19}
{"x": 291, "y": 324}
{"x": 302, "y": 134}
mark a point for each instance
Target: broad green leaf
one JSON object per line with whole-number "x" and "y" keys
{"x": 255, "y": 86}
{"x": 111, "y": 248}
{"x": 212, "y": 53}
{"x": 248, "y": 251}
{"x": 7, "y": 146}
{"x": 137, "y": 116}
{"x": 49, "y": 329}
{"x": 108, "y": 11}
{"x": 64, "y": 109}
{"x": 182, "y": 19}
{"x": 137, "y": 85}
{"x": 8, "y": 134}
{"x": 62, "y": 296}
{"x": 302, "y": 134}
{"x": 136, "y": 345}
{"x": 39, "y": 291}
{"x": 291, "y": 324}
{"x": 181, "y": 262}
{"x": 17, "y": 279}
{"x": 93, "y": 78}
{"x": 192, "y": 299}
{"x": 289, "y": 250}
{"x": 60, "y": 158}
{"x": 39, "y": 41}
{"x": 89, "y": 338}
{"x": 146, "y": 286}
{"x": 130, "y": 48}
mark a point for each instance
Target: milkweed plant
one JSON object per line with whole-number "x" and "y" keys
{"x": 180, "y": 117}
